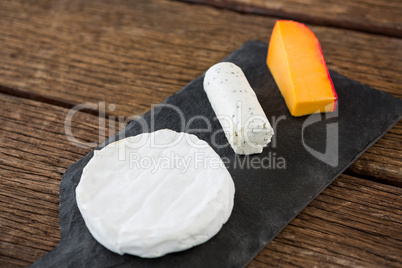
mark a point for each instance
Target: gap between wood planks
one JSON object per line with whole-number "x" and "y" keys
{"x": 385, "y": 181}
{"x": 70, "y": 105}
{"x": 48, "y": 100}
{"x": 247, "y": 7}
{"x": 61, "y": 102}
{"x": 331, "y": 231}
{"x": 82, "y": 61}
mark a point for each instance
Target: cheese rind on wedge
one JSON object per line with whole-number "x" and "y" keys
{"x": 155, "y": 193}
{"x": 297, "y": 64}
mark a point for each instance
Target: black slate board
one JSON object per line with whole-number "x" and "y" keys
{"x": 266, "y": 199}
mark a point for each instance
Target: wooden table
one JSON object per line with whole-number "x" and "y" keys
{"x": 132, "y": 54}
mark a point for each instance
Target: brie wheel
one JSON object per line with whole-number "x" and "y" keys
{"x": 155, "y": 193}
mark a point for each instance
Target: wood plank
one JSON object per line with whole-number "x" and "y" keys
{"x": 134, "y": 54}
{"x": 354, "y": 222}
{"x": 371, "y": 16}
{"x": 383, "y": 161}
{"x": 34, "y": 153}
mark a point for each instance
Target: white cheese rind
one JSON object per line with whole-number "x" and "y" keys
{"x": 130, "y": 207}
{"x": 236, "y": 106}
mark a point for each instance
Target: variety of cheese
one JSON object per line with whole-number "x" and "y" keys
{"x": 162, "y": 192}
{"x": 235, "y": 103}
{"x": 296, "y": 62}
{"x": 155, "y": 193}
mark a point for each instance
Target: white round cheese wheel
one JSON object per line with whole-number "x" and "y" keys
{"x": 155, "y": 193}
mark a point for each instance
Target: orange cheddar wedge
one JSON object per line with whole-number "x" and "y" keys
{"x": 296, "y": 62}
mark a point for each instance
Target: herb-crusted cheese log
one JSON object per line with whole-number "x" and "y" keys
{"x": 236, "y": 106}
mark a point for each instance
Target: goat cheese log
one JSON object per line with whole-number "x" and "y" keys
{"x": 237, "y": 108}
{"x": 155, "y": 193}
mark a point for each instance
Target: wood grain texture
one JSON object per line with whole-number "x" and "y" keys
{"x": 353, "y": 222}
{"x": 136, "y": 53}
{"x": 371, "y": 16}
{"x": 34, "y": 153}
{"x": 332, "y": 231}
{"x": 383, "y": 161}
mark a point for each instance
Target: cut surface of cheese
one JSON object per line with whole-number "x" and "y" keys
{"x": 297, "y": 64}
{"x": 155, "y": 193}
{"x": 236, "y": 106}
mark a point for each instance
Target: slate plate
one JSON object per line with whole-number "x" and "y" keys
{"x": 309, "y": 153}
